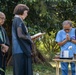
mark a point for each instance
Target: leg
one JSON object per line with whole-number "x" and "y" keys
{"x": 28, "y": 66}
{"x": 2, "y": 63}
{"x": 73, "y": 68}
{"x": 64, "y": 68}
{"x": 57, "y": 67}
{"x": 18, "y": 64}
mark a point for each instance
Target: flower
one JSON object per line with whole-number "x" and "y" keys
{"x": 70, "y": 47}
{"x": 37, "y": 73}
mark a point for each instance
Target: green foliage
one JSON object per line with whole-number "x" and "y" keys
{"x": 44, "y": 16}
{"x": 43, "y": 69}
{"x": 7, "y": 6}
{"x": 2, "y": 70}
{"x": 47, "y": 15}
{"x": 48, "y": 46}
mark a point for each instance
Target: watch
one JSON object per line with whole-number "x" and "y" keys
{"x": 70, "y": 39}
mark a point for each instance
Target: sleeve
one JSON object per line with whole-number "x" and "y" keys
{"x": 7, "y": 39}
{"x": 18, "y": 22}
{"x": 1, "y": 42}
{"x": 23, "y": 36}
{"x": 58, "y": 37}
{"x": 21, "y": 32}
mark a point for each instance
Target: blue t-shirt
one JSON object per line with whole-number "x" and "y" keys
{"x": 61, "y": 35}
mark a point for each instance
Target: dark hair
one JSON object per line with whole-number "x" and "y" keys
{"x": 20, "y": 8}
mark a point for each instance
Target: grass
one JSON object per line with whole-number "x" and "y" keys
{"x": 38, "y": 68}
{"x": 9, "y": 70}
{"x": 42, "y": 69}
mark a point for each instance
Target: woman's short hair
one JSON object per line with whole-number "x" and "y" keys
{"x": 20, "y": 8}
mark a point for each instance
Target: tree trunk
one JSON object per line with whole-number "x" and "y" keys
{"x": 37, "y": 57}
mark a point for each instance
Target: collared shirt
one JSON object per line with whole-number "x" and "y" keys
{"x": 22, "y": 21}
{"x": 61, "y": 35}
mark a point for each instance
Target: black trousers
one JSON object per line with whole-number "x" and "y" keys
{"x": 2, "y": 63}
{"x": 22, "y": 65}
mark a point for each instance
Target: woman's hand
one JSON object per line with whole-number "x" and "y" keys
{"x": 4, "y": 48}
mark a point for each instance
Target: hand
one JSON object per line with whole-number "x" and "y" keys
{"x": 67, "y": 37}
{"x": 4, "y": 48}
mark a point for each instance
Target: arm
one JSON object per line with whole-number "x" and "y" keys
{"x": 73, "y": 41}
{"x": 7, "y": 39}
{"x": 62, "y": 43}
{"x": 19, "y": 32}
{"x": 67, "y": 40}
{"x": 5, "y": 44}
{"x": 4, "y": 48}
{"x": 23, "y": 36}
{"x": 1, "y": 42}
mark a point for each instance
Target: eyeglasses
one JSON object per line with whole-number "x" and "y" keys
{"x": 66, "y": 29}
{"x": 2, "y": 18}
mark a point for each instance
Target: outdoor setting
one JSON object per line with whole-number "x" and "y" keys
{"x": 45, "y": 18}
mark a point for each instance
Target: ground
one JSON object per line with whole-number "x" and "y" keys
{"x": 38, "y": 68}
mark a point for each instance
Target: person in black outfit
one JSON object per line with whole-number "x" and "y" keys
{"x": 21, "y": 42}
{"x": 4, "y": 44}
